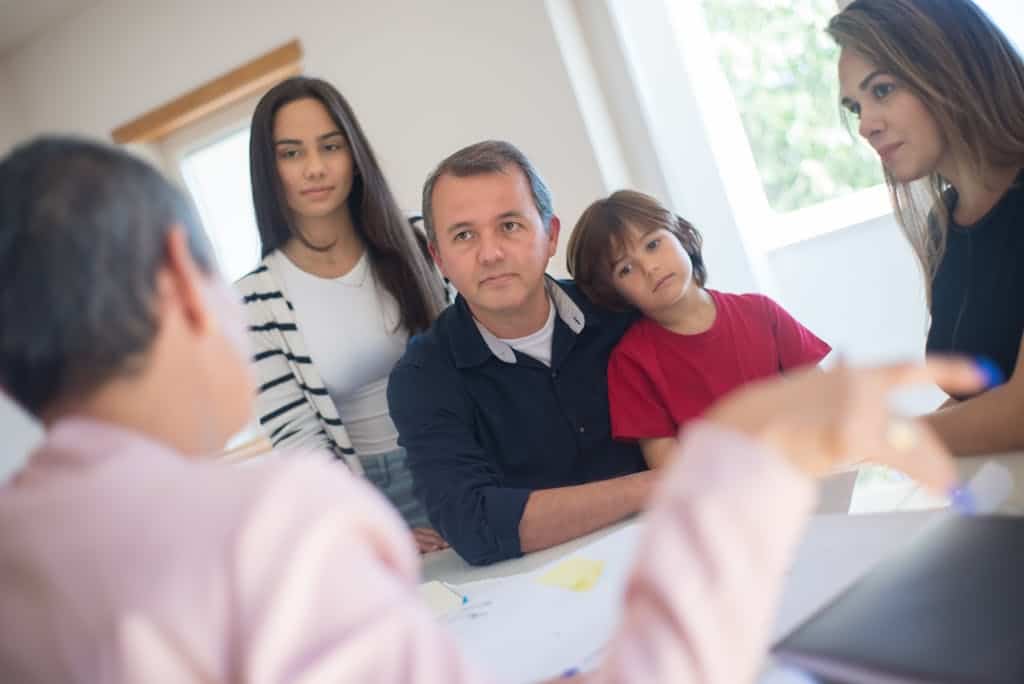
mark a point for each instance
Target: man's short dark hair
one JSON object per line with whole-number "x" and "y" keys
{"x": 83, "y": 230}
{"x": 489, "y": 156}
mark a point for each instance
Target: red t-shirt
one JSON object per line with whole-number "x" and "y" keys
{"x": 658, "y": 379}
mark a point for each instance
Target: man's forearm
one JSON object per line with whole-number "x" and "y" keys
{"x": 553, "y": 516}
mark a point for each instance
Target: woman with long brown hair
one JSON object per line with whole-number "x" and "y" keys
{"x": 343, "y": 282}
{"x": 938, "y": 91}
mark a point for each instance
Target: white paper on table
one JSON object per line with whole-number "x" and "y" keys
{"x": 526, "y": 631}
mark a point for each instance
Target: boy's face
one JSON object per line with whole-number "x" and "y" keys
{"x": 653, "y": 271}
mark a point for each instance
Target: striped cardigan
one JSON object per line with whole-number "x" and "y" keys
{"x": 295, "y": 409}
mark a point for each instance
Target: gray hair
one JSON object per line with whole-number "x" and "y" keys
{"x": 83, "y": 232}
{"x": 489, "y": 156}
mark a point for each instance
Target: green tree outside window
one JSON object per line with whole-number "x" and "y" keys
{"x": 781, "y": 66}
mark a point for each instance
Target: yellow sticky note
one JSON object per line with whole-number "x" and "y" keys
{"x": 574, "y": 574}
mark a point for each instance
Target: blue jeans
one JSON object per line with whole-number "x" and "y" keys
{"x": 390, "y": 473}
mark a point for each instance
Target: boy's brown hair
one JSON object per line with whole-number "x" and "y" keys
{"x": 599, "y": 237}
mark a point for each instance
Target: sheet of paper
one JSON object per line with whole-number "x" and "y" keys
{"x": 574, "y": 574}
{"x": 506, "y": 618}
{"x": 440, "y": 598}
{"x": 527, "y": 631}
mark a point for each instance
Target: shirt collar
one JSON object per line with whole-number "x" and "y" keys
{"x": 473, "y": 343}
{"x": 79, "y": 441}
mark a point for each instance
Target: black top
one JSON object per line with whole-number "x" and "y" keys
{"x": 482, "y": 433}
{"x": 978, "y": 293}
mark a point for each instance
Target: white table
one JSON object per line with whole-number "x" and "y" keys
{"x": 836, "y": 551}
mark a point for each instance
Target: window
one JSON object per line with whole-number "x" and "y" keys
{"x": 780, "y": 65}
{"x": 217, "y": 177}
{"x": 781, "y": 68}
{"x": 210, "y": 160}
{"x": 1008, "y": 16}
{"x": 201, "y": 139}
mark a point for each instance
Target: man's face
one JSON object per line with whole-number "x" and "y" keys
{"x": 491, "y": 243}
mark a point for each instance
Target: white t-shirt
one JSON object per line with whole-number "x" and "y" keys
{"x": 537, "y": 344}
{"x": 349, "y": 326}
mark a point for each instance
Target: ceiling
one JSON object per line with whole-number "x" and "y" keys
{"x": 20, "y": 20}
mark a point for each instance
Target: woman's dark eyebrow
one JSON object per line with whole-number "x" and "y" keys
{"x": 867, "y": 79}
{"x": 291, "y": 141}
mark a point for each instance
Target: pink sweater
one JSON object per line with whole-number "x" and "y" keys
{"x": 122, "y": 562}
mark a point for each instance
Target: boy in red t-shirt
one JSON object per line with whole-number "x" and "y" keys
{"x": 692, "y": 344}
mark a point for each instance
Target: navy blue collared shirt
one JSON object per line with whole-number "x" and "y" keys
{"x": 482, "y": 432}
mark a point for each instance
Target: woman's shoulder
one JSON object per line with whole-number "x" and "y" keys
{"x": 261, "y": 279}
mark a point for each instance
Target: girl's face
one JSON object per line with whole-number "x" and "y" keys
{"x": 653, "y": 271}
{"x": 893, "y": 120}
{"x": 314, "y": 161}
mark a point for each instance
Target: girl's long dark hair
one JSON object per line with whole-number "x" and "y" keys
{"x": 397, "y": 253}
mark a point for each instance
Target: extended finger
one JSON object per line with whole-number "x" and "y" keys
{"x": 956, "y": 373}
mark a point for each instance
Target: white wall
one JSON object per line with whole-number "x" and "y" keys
{"x": 424, "y": 77}
{"x": 12, "y": 121}
{"x": 19, "y": 435}
{"x": 17, "y": 432}
{"x": 859, "y": 288}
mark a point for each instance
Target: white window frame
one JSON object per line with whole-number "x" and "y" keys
{"x": 172, "y": 150}
{"x": 674, "y": 69}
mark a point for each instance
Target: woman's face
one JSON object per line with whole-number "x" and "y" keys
{"x": 314, "y": 161}
{"x": 893, "y": 120}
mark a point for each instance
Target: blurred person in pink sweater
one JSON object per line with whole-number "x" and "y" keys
{"x": 126, "y": 557}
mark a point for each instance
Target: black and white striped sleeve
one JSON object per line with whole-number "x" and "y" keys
{"x": 285, "y": 411}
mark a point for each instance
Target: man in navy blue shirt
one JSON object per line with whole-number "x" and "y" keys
{"x": 503, "y": 404}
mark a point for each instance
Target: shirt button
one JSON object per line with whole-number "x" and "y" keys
{"x": 582, "y": 429}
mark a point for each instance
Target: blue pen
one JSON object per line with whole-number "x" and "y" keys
{"x": 962, "y": 500}
{"x": 463, "y": 597}
{"x": 990, "y": 370}
{"x": 992, "y": 482}
{"x": 985, "y": 493}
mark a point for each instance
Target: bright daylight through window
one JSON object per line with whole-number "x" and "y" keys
{"x": 217, "y": 177}
{"x": 781, "y": 68}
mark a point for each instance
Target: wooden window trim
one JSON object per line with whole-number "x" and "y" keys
{"x": 248, "y": 79}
